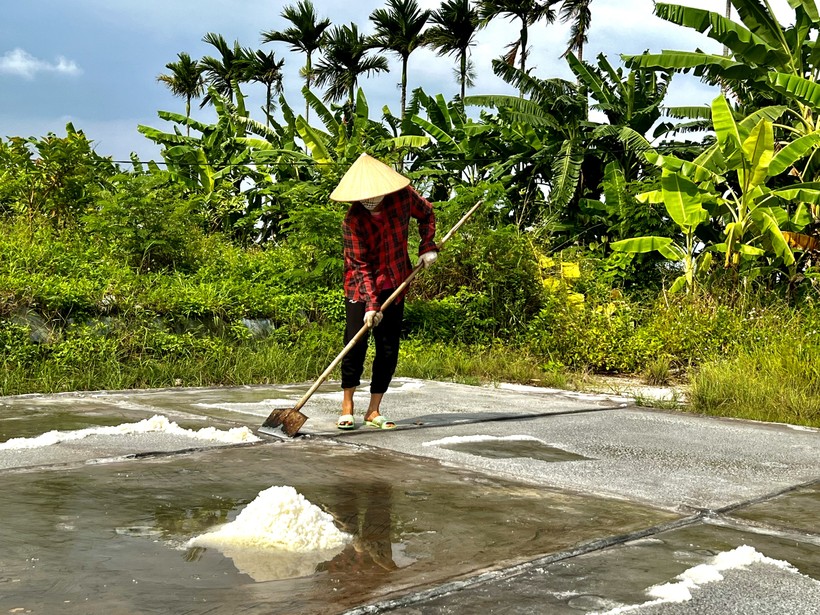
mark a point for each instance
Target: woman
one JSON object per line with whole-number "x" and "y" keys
{"x": 376, "y": 230}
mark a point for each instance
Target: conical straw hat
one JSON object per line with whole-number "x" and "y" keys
{"x": 367, "y": 178}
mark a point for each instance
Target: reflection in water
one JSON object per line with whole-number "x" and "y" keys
{"x": 174, "y": 518}
{"x": 366, "y": 514}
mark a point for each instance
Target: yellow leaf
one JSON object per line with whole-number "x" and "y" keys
{"x": 570, "y": 271}
{"x": 576, "y": 300}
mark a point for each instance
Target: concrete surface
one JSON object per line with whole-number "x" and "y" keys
{"x": 726, "y": 483}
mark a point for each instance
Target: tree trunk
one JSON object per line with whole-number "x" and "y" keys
{"x": 463, "y": 74}
{"x": 523, "y": 53}
{"x": 308, "y": 69}
{"x": 404, "y": 60}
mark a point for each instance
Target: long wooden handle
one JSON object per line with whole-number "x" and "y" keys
{"x": 396, "y": 293}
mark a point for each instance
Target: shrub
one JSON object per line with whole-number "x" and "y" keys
{"x": 147, "y": 222}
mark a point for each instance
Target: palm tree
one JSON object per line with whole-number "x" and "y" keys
{"x": 456, "y": 23}
{"x": 344, "y": 60}
{"x": 398, "y": 29}
{"x": 226, "y": 72}
{"x": 264, "y": 68}
{"x": 528, "y": 11}
{"x": 185, "y": 80}
{"x": 304, "y": 36}
{"x": 576, "y": 11}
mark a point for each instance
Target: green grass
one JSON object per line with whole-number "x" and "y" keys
{"x": 777, "y": 382}
{"x": 476, "y": 364}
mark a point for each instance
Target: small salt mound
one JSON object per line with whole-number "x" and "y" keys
{"x": 277, "y": 536}
{"x": 279, "y": 518}
{"x": 156, "y": 423}
{"x": 694, "y": 577}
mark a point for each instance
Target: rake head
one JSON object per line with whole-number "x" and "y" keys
{"x": 289, "y": 419}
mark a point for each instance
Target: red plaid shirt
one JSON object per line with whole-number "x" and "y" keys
{"x": 375, "y": 246}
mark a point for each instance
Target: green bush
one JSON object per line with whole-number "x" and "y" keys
{"x": 493, "y": 273}
{"x": 16, "y": 346}
{"x": 147, "y": 222}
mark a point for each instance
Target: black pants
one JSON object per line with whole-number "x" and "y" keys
{"x": 386, "y": 336}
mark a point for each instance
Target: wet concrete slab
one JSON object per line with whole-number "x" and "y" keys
{"x": 797, "y": 511}
{"x": 109, "y": 538}
{"x": 619, "y": 577}
{"x": 535, "y": 480}
{"x": 668, "y": 459}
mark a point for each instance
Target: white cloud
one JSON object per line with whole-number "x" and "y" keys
{"x": 20, "y": 63}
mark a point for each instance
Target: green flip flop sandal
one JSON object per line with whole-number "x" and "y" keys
{"x": 346, "y": 421}
{"x": 380, "y": 423}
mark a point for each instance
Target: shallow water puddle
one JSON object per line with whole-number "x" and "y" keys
{"x": 500, "y": 449}
{"x": 507, "y": 447}
{"x": 112, "y": 538}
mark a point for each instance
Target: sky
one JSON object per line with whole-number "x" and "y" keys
{"x": 95, "y": 62}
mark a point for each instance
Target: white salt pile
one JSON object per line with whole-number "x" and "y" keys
{"x": 156, "y": 423}
{"x": 279, "y": 535}
{"x": 691, "y": 579}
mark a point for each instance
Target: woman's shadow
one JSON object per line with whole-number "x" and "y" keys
{"x": 365, "y": 513}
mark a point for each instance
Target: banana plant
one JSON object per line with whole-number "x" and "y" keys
{"x": 548, "y": 137}
{"x": 729, "y": 182}
{"x": 757, "y": 44}
{"x": 215, "y": 164}
{"x": 457, "y": 149}
{"x": 684, "y": 201}
{"x": 767, "y": 65}
{"x": 345, "y": 133}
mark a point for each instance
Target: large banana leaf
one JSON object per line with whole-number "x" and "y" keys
{"x": 742, "y": 42}
{"x": 759, "y": 150}
{"x": 794, "y": 151}
{"x": 321, "y": 110}
{"x": 641, "y": 245}
{"x": 437, "y": 133}
{"x": 653, "y": 196}
{"x": 683, "y": 200}
{"x": 633, "y": 140}
{"x": 691, "y": 170}
{"x": 615, "y": 187}
{"x": 591, "y": 80}
{"x": 712, "y": 159}
{"x": 726, "y": 129}
{"x": 165, "y": 138}
{"x": 274, "y": 135}
{"x": 688, "y": 113}
{"x": 498, "y": 101}
{"x": 518, "y": 109}
{"x": 768, "y": 225}
{"x": 804, "y": 90}
{"x": 772, "y": 114}
{"x": 566, "y": 170}
{"x": 314, "y": 141}
{"x": 808, "y": 192}
{"x": 759, "y": 20}
{"x": 809, "y": 7}
{"x": 408, "y": 141}
{"x": 362, "y": 108}
{"x": 179, "y": 118}
{"x": 680, "y": 60}
{"x": 440, "y": 111}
